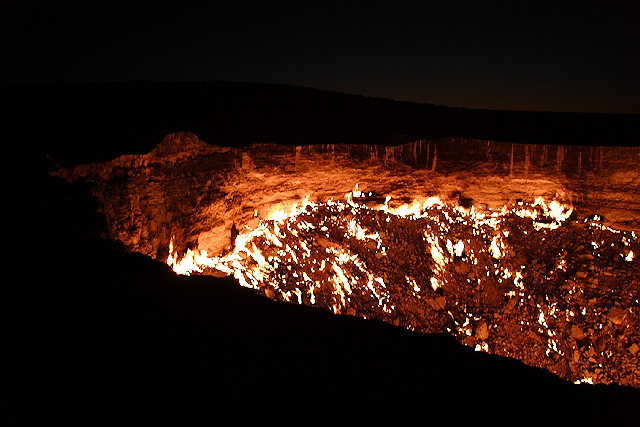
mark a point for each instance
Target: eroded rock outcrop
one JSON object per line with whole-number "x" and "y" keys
{"x": 150, "y": 199}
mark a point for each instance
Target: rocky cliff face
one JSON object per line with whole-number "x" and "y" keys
{"x": 196, "y": 193}
{"x": 488, "y": 262}
{"x": 149, "y": 199}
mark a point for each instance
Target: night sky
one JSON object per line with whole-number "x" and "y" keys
{"x": 581, "y": 56}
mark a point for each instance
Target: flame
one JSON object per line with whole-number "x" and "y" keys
{"x": 268, "y": 257}
{"x": 195, "y": 261}
{"x": 329, "y": 254}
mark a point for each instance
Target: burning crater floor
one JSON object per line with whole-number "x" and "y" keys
{"x": 510, "y": 257}
{"x": 562, "y": 296}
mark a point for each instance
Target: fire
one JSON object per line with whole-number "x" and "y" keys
{"x": 247, "y": 261}
{"x": 629, "y": 256}
{"x": 398, "y": 264}
{"x": 300, "y": 241}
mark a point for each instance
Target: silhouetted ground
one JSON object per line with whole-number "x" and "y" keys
{"x": 96, "y": 122}
{"x": 105, "y": 336}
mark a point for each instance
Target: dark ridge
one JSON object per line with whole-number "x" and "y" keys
{"x": 79, "y": 122}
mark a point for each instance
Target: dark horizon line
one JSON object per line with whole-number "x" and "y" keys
{"x": 297, "y": 86}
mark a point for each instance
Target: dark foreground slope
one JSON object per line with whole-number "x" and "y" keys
{"x": 102, "y": 335}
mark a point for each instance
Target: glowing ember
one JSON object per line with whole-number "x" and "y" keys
{"x": 629, "y": 256}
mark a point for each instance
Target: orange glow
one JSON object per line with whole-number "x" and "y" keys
{"x": 259, "y": 254}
